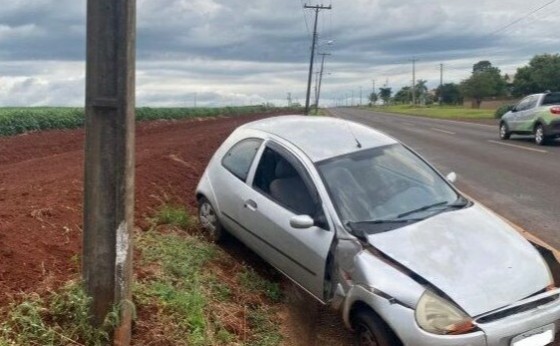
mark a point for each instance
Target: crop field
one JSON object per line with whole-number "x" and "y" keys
{"x": 15, "y": 120}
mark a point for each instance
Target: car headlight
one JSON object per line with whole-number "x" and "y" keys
{"x": 438, "y": 316}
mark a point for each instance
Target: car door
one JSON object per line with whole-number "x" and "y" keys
{"x": 281, "y": 190}
{"x": 517, "y": 113}
{"x": 229, "y": 179}
{"x": 527, "y": 118}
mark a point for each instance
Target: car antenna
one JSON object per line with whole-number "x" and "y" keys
{"x": 358, "y": 144}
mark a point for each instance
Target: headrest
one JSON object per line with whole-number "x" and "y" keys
{"x": 284, "y": 170}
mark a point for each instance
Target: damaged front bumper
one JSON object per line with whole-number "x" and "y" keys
{"x": 499, "y": 332}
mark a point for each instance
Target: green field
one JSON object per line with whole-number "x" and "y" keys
{"x": 444, "y": 112}
{"x": 14, "y": 120}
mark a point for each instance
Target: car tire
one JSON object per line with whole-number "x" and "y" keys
{"x": 209, "y": 221}
{"x": 504, "y": 131}
{"x": 540, "y": 138}
{"x": 370, "y": 330}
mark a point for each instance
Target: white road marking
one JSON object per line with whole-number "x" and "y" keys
{"x": 437, "y": 119}
{"x": 520, "y": 147}
{"x": 444, "y": 131}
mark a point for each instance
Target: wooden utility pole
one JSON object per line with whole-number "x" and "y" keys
{"x": 313, "y": 44}
{"x": 109, "y": 161}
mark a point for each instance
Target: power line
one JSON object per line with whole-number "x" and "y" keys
{"x": 522, "y": 18}
{"x": 305, "y": 17}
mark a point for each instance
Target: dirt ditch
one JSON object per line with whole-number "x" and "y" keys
{"x": 41, "y": 176}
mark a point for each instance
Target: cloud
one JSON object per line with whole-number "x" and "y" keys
{"x": 234, "y": 51}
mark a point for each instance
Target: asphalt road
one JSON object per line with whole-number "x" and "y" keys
{"x": 516, "y": 178}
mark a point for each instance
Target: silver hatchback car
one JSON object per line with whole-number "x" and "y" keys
{"x": 364, "y": 224}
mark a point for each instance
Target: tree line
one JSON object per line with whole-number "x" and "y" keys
{"x": 540, "y": 75}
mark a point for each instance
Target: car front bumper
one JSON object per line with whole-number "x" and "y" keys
{"x": 499, "y": 333}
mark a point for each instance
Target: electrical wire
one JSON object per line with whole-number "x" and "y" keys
{"x": 305, "y": 17}
{"x": 506, "y": 28}
{"x": 522, "y": 18}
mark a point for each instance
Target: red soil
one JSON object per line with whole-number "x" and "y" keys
{"x": 41, "y": 178}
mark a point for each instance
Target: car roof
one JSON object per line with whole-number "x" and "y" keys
{"x": 321, "y": 137}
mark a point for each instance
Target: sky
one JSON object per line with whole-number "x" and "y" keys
{"x": 239, "y": 52}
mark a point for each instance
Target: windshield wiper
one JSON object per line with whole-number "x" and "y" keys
{"x": 377, "y": 222}
{"x": 362, "y": 228}
{"x": 426, "y": 207}
{"x": 459, "y": 203}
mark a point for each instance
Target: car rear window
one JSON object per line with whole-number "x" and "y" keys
{"x": 551, "y": 99}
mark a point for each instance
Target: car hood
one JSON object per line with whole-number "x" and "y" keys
{"x": 472, "y": 255}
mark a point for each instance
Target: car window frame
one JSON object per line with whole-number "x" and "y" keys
{"x": 248, "y": 174}
{"x": 303, "y": 173}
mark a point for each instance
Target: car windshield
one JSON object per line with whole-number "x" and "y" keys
{"x": 388, "y": 186}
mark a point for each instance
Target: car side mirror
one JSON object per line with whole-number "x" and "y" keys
{"x": 451, "y": 177}
{"x": 302, "y": 222}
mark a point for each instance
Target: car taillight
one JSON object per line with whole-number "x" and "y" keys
{"x": 555, "y": 110}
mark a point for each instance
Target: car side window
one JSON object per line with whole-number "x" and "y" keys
{"x": 532, "y": 102}
{"x": 551, "y": 99}
{"x": 239, "y": 158}
{"x": 521, "y": 106}
{"x": 279, "y": 179}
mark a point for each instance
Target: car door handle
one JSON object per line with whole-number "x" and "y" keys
{"x": 251, "y": 205}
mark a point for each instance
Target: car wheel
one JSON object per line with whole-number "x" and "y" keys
{"x": 504, "y": 133}
{"x": 209, "y": 220}
{"x": 370, "y": 330}
{"x": 540, "y": 138}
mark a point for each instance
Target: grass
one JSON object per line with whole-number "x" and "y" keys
{"x": 203, "y": 297}
{"x": 318, "y": 112}
{"x": 254, "y": 283}
{"x": 187, "y": 292}
{"x": 16, "y": 120}
{"x": 177, "y": 216}
{"x": 61, "y": 318}
{"x": 443, "y": 112}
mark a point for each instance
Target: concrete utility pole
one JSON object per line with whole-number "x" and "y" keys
{"x": 440, "y": 83}
{"x": 316, "y": 86}
{"x": 317, "y": 8}
{"x": 323, "y": 55}
{"x": 289, "y": 99}
{"x": 414, "y": 81}
{"x": 360, "y": 96}
{"x": 373, "y": 90}
{"x": 109, "y": 161}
